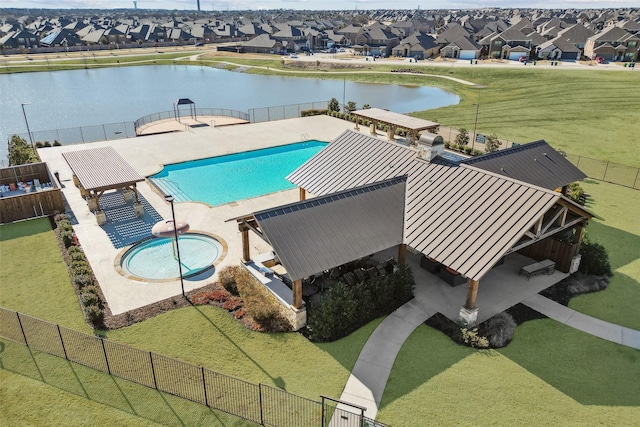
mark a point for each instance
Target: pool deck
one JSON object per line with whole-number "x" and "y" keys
{"x": 147, "y": 155}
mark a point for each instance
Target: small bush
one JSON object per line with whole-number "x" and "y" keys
{"x": 82, "y": 280}
{"x": 472, "y": 338}
{"x": 89, "y": 296}
{"x": 498, "y": 330}
{"x": 232, "y": 304}
{"x": 578, "y": 284}
{"x": 228, "y": 278}
{"x": 67, "y": 238}
{"x": 56, "y": 143}
{"x": 95, "y": 315}
{"x": 595, "y": 260}
{"x": 76, "y": 256}
{"x": 312, "y": 112}
{"x": 81, "y": 270}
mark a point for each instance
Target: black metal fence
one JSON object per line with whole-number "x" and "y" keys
{"x": 258, "y": 403}
{"x": 282, "y": 112}
{"x": 606, "y": 171}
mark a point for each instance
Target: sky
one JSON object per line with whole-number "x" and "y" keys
{"x": 220, "y": 5}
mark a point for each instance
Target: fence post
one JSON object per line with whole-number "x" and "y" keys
{"x": 635, "y": 182}
{"x": 81, "y": 134}
{"x": 22, "y": 330}
{"x": 323, "y": 413}
{"x": 106, "y": 359}
{"x": 104, "y": 133}
{"x": 578, "y": 162}
{"x": 153, "y": 371}
{"x": 260, "y": 398}
{"x": 204, "y": 387}
{"x": 64, "y": 349}
{"x": 604, "y": 175}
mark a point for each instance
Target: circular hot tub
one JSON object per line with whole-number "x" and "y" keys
{"x": 156, "y": 259}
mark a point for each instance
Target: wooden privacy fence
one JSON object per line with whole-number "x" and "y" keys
{"x": 258, "y": 403}
{"x": 16, "y": 204}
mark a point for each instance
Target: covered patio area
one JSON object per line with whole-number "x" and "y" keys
{"x": 395, "y": 120}
{"x": 98, "y": 170}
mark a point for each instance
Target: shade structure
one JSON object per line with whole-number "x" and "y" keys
{"x": 165, "y": 228}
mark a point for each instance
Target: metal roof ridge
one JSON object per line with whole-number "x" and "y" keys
{"x": 506, "y": 151}
{"x": 508, "y": 178}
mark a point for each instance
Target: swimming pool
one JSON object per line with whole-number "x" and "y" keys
{"x": 225, "y": 179}
{"x": 155, "y": 259}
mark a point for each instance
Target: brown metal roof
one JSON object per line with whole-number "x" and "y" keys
{"x": 101, "y": 169}
{"x": 321, "y": 233}
{"x": 464, "y": 217}
{"x": 401, "y": 120}
{"x": 536, "y": 163}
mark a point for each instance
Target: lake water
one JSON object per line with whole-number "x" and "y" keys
{"x": 64, "y": 99}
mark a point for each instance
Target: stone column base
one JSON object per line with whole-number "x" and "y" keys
{"x": 138, "y": 209}
{"x": 297, "y": 317}
{"x": 128, "y": 195}
{"x": 101, "y": 217}
{"x": 468, "y": 316}
{"x": 92, "y": 203}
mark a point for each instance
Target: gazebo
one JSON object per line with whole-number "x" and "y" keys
{"x": 184, "y": 101}
{"x": 413, "y": 125}
{"x": 97, "y": 170}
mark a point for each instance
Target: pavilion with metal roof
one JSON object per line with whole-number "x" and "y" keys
{"x": 536, "y": 163}
{"x": 315, "y": 235}
{"x": 412, "y": 125}
{"x": 97, "y": 170}
{"x": 461, "y": 216}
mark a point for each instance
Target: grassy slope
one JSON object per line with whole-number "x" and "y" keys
{"x": 534, "y": 381}
{"x": 619, "y": 231}
{"x": 34, "y": 278}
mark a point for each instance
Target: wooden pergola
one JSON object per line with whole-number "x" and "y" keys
{"x": 412, "y": 125}
{"x": 98, "y": 170}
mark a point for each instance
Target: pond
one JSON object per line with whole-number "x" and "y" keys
{"x": 64, "y": 99}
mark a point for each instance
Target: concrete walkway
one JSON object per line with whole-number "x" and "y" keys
{"x": 366, "y": 384}
{"x": 596, "y": 327}
{"x": 369, "y": 376}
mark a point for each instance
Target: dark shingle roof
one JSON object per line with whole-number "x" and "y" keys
{"x": 536, "y": 163}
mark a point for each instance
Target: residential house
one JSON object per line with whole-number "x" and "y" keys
{"x": 20, "y": 39}
{"x": 613, "y": 44}
{"x": 417, "y": 45}
{"x": 63, "y": 38}
{"x": 558, "y": 48}
{"x": 463, "y": 48}
{"x": 263, "y": 43}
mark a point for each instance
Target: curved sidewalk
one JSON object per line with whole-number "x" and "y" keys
{"x": 369, "y": 376}
{"x": 596, "y": 327}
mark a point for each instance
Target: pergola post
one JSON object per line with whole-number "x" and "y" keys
{"x": 469, "y": 313}
{"x": 402, "y": 254}
{"x": 246, "y": 255}
{"x": 303, "y": 194}
{"x": 297, "y": 294}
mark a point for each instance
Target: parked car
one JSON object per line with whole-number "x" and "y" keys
{"x": 599, "y": 60}
{"x": 293, "y": 55}
{"x": 523, "y": 58}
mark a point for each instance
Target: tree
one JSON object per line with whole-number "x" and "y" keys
{"x": 366, "y": 106}
{"x": 20, "y": 152}
{"x": 351, "y": 107}
{"x": 463, "y": 137}
{"x": 492, "y": 143}
{"x": 334, "y": 105}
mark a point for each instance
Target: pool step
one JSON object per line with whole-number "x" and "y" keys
{"x": 169, "y": 187}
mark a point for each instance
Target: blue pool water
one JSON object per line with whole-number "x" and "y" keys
{"x": 155, "y": 259}
{"x": 225, "y": 179}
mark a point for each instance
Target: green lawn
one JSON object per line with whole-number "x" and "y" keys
{"x": 618, "y": 230}
{"x": 549, "y": 375}
{"x": 34, "y": 278}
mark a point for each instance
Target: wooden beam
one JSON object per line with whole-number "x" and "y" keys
{"x": 297, "y": 294}
{"x": 246, "y": 254}
{"x": 402, "y": 254}
{"x": 303, "y": 194}
{"x": 472, "y": 292}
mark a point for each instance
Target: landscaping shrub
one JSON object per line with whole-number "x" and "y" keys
{"x": 90, "y": 296}
{"x": 575, "y": 192}
{"x": 498, "y": 330}
{"x": 260, "y": 304}
{"x": 472, "y": 338}
{"x": 581, "y": 284}
{"x": 76, "y": 256}
{"x": 67, "y": 237}
{"x": 227, "y": 278}
{"x": 82, "y": 280}
{"x": 95, "y": 315}
{"x": 313, "y": 112}
{"x": 595, "y": 260}
{"x": 343, "y": 309}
